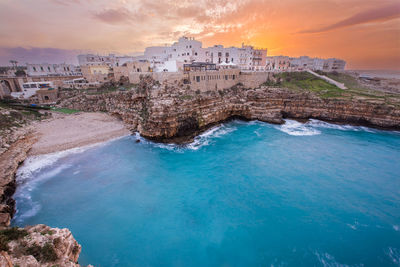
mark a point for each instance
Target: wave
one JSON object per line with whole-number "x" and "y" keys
{"x": 394, "y": 255}
{"x": 328, "y": 260}
{"x": 201, "y": 140}
{"x": 29, "y": 175}
{"x": 34, "y": 164}
{"x": 296, "y": 128}
{"x": 342, "y": 127}
{"x": 313, "y": 127}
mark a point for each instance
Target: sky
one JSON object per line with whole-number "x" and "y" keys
{"x": 365, "y": 33}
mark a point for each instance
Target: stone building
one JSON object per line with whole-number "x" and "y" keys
{"x": 47, "y": 69}
{"x": 131, "y": 67}
{"x": 97, "y": 74}
{"x": 47, "y": 96}
{"x": 278, "y": 63}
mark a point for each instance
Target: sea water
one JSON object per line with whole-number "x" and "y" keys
{"x": 242, "y": 194}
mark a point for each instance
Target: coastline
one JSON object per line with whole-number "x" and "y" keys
{"x": 65, "y": 132}
{"x": 59, "y": 133}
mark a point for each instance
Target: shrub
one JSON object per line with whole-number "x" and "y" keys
{"x": 13, "y": 233}
{"x": 43, "y": 254}
{"x": 9, "y": 234}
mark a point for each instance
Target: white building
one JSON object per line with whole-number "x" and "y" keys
{"x": 278, "y": 63}
{"x": 46, "y": 69}
{"x": 110, "y": 60}
{"x": 188, "y": 50}
{"x": 283, "y": 63}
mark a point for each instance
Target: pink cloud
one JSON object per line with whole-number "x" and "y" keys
{"x": 384, "y": 13}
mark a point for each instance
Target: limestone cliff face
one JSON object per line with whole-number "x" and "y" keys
{"x": 38, "y": 245}
{"x": 175, "y": 114}
{"x": 9, "y": 161}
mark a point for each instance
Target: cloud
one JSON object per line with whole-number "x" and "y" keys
{"x": 114, "y": 16}
{"x": 66, "y": 2}
{"x": 380, "y": 14}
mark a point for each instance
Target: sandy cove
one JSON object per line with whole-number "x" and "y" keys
{"x": 63, "y": 132}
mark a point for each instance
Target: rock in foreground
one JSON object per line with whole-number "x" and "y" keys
{"x": 38, "y": 245}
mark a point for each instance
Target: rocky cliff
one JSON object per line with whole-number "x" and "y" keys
{"x": 176, "y": 113}
{"x": 38, "y": 245}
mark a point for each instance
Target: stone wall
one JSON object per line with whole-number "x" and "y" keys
{"x": 213, "y": 80}
{"x": 253, "y": 79}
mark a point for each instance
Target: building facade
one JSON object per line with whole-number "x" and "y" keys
{"x": 47, "y": 69}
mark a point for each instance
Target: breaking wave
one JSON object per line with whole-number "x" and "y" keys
{"x": 342, "y": 127}
{"x": 29, "y": 175}
{"x": 201, "y": 140}
{"x": 313, "y": 127}
{"x": 296, "y": 128}
{"x": 394, "y": 255}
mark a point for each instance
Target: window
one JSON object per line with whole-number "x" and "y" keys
{"x": 198, "y": 79}
{"x": 34, "y": 69}
{"x": 219, "y": 54}
{"x": 48, "y": 68}
{"x": 195, "y": 53}
{"x": 41, "y": 68}
{"x": 227, "y": 54}
{"x": 46, "y": 97}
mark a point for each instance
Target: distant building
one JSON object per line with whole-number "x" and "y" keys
{"x": 47, "y": 69}
{"x": 97, "y": 74}
{"x": 131, "y": 67}
{"x": 278, "y": 63}
{"x": 284, "y": 63}
{"x": 111, "y": 60}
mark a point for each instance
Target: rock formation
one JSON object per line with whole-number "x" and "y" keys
{"x": 176, "y": 113}
{"x": 38, "y": 245}
{"x": 9, "y": 162}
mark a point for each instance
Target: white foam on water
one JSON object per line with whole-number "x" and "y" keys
{"x": 29, "y": 175}
{"x": 201, "y": 140}
{"x": 24, "y": 190}
{"x": 342, "y": 127}
{"x": 396, "y": 228}
{"x": 206, "y": 137}
{"x": 394, "y": 255}
{"x": 296, "y": 128}
{"x": 328, "y": 260}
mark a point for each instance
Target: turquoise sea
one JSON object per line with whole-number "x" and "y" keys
{"x": 242, "y": 194}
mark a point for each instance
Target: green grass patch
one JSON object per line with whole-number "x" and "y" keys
{"x": 358, "y": 91}
{"x": 304, "y": 81}
{"x": 65, "y": 110}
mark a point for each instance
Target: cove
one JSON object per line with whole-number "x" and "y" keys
{"x": 242, "y": 194}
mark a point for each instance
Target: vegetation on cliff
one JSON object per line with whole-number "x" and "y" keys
{"x": 304, "y": 81}
{"x": 38, "y": 245}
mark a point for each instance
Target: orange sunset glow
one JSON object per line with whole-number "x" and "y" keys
{"x": 365, "y": 33}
